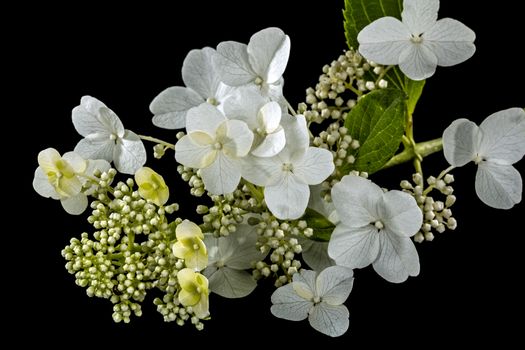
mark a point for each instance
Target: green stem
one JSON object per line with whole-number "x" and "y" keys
{"x": 159, "y": 141}
{"x": 424, "y": 149}
{"x": 256, "y": 192}
{"x": 441, "y": 175}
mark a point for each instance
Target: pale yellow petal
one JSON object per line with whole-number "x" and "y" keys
{"x": 188, "y": 229}
{"x": 187, "y": 298}
{"x": 47, "y": 160}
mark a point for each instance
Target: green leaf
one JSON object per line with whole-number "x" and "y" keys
{"x": 413, "y": 89}
{"x": 359, "y": 13}
{"x": 378, "y": 123}
{"x": 322, "y": 227}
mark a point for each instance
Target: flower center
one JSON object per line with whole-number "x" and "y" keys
{"x": 258, "y": 81}
{"x": 478, "y": 159}
{"x": 316, "y": 299}
{"x": 379, "y": 225}
{"x": 287, "y": 167}
{"x": 219, "y": 263}
{"x": 212, "y": 100}
{"x": 416, "y": 39}
{"x": 217, "y": 145}
{"x": 113, "y": 137}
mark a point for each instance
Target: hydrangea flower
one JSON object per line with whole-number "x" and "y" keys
{"x": 494, "y": 146}
{"x": 286, "y": 176}
{"x": 318, "y": 297}
{"x": 152, "y": 186}
{"x": 62, "y": 178}
{"x": 189, "y": 245}
{"x": 215, "y": 145}
{"x": 105, "y": 136}
{"x": 419, "y": 43}
{"x": 261, "y": 63}
{"x": 375, "y": 229}
{"x": 229, "y": 257}
{"x": 194, "y": 292}
{"x": 262, "y": 116}
{"x": 203, "y": 85}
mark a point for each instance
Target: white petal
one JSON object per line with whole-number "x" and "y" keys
{"x": 334, "y": 284}
{"x": 244, "y": 104}
{"x": 129, "y": 153}
{"x": 233, "y": 64}
{"x": 297, "y": 137}
{"x": 245, "y": 248}
{"x": 400, "y": 213}
{"x": 461, "y": 142}
{"x": 354, "y": 247}
{"x": 205, "y": 118}
{"x": 230, "y": 283}
{"x": 451, "y": 41}
{"x": 288, "y": 305}
{"x": 239, "y": 138}
{"x": 288, "y": 198}
{"x": 75, "y": 205}
{"x": 261, "y": 171}
{"x": 330, "y": 320}
{"x": 222, "y": 176}
{"x": 91, "y": 104}
{"x": 171, "y": 106}
{"x": 304, "y": 283}
{"x": 76, "y": 162}
{"x": 355, "y": 200}
{"x": 193, "y": 154}
{"x": 383, "y": 40}
{"x": 92, "y": 117}
{"x": 268, "y": 52}
{"x": 271, "y": 145}
{"x": 397, "y": 259}
{"x": 96, "y": 146}
{"x": 503, "y": 138}
{"x": 420, "y": 15}
{"x": 315, "y": 167}
{"x": 214, "y": 253}
{"x": 42, "y": 186}
{"x": 315, "y": 254}
{"x": 418, "y": 62}
{"x": 198, "y": 72}
{"x": 269, "y": 116}
{"x": 498, "y": 186}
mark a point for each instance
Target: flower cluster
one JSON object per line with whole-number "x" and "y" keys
{"x": 286, "y": 194}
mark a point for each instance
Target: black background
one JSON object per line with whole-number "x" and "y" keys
{"x": 469, "y": 287}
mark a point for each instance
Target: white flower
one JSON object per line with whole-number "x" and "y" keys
{"x": 318, "y": 297}
{"x": 228, "y": 258}
{"x": 215, "y": 145}
{"x": 420, "y": 42}
{"x": 286, "y": 176}
{"x": 262, "y": 116}
{"x": 105, "y": 136}
{"x": 494, "y": 146}
{"x": 261, "y": 63}
{"x": 62, "y": 178}
{"x": 375, "y": 229}
{"x": 203, "y": 85}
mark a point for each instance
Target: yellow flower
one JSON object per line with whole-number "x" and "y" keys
{"x": 194, "y": 291}
{"x": 189, "y": 245}
{"x": 152, "y": 186}
{"x": 61, "y": 172}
